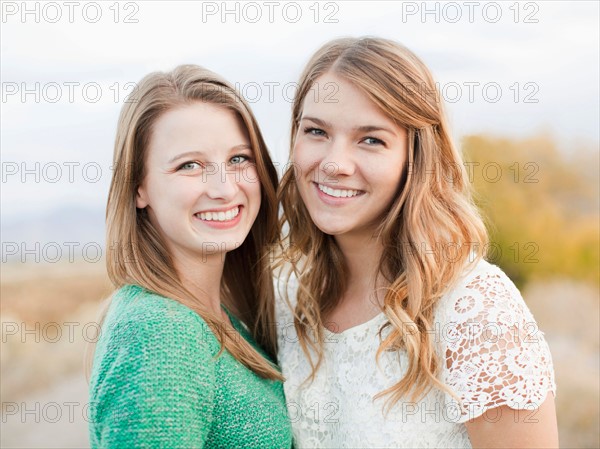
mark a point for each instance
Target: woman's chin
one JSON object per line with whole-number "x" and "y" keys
{"x": 328, "y": 229}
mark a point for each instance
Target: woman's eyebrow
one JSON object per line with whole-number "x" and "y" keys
{"x": 198, "y": 154}
{"x": 201, "y": 154}
{"x": 318, "y": 121}
{"x": 369, "y": 128}
{"x": 364, "y": 128}
{"x": 241, "y": 146}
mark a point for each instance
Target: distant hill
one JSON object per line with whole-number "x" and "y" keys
{"x": 67, "y": 230}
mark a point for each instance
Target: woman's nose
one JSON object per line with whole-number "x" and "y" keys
{"x": 338, "y": 160}
{"x": 220, "y": 183}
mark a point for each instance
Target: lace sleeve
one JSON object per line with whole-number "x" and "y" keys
{"x": 495, "y": 353}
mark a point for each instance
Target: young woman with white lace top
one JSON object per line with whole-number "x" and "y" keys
{"x": 393, "y": 329}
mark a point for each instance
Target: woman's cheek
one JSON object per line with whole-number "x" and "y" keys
{"x": 250, "y": 175}
{"x": 306, "y": 158}
{"x": 250, "y": 179}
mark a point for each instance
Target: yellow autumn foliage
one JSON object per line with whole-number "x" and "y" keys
{"x": 540, "y": 205}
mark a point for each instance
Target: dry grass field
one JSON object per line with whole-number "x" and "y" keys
{"x": 42, "y": 376}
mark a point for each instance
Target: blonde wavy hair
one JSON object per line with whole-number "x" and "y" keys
{"x": 136, "y": 252}
{"x": 433, "y": 210}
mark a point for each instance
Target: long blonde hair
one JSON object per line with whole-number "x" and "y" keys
{"x": 136, "y": 252}
{"x": 432, "y": 210}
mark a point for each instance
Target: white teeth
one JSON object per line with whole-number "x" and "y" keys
{"x": 338, "y": 193}
{"x": 219, "y": 216}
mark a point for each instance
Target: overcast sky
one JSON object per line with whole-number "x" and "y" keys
{"x": 532, "y": 67}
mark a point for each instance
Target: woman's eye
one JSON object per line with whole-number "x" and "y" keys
{"x": 190, "y": 166}
{"x": 373, "y": 141}
{"x": 314, "y": 131}
{"x": 240, "y": 158}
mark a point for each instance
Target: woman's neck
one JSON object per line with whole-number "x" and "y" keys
{"x": 202, "y": 275}
{"x": 363, "y": 297}
{"x": 362, "y": 255}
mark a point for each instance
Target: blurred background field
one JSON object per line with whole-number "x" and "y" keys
{"x": 48, "y": 316}
{"x": 546, "y": 232}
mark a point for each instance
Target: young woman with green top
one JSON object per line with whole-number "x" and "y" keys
{"x": 185, "y": 357}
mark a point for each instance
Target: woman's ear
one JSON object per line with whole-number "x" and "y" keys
{"x": 141, "y": 198}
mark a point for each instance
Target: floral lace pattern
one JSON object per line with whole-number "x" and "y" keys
{"x": 495, "y": 355}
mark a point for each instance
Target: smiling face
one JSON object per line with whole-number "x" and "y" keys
{"x": 201, "y": 188}
{"x": 349, "y": 158}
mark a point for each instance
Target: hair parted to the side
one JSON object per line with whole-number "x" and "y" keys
{"x": 136, "y": 252}
{"x": 433, "y": 206}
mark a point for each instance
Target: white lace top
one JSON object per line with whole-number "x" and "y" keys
{"x": 483, "y": 329}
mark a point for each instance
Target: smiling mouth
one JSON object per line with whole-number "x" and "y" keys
{"x": 338, "y": 193}
{"x": 221, "y": 216}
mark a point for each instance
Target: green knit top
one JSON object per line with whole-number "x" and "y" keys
{"x": 156, "y": 383}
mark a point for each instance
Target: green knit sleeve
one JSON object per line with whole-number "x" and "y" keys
{"x": 153, "y": 381}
